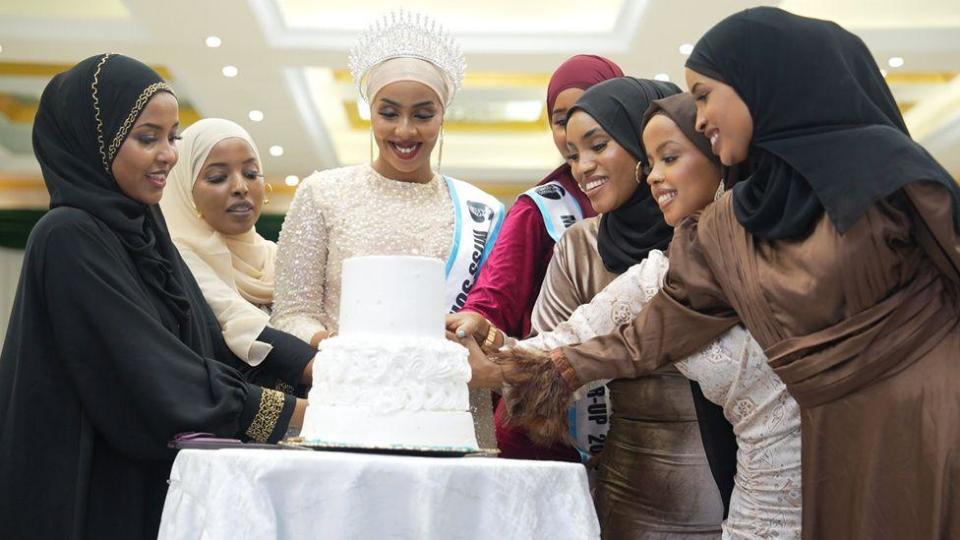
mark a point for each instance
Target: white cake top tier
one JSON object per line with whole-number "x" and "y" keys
{"x": 392, "y": 295}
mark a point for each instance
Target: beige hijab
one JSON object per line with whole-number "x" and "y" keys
{"x": 236, "y": 273}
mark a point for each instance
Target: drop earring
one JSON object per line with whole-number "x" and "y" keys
{"x": 268, "y": 188}
{"x": 440, "y": 151}
{"x": 371, "y": 143}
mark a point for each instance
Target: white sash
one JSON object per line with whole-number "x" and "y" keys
{"x": 590, "y": 419}
{"x": 560, "y": 209}
{"x": 478, "y": 220}
{"x": 590, "y": 416}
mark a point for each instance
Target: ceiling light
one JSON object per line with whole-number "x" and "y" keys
{"x": 686, "y": 49}
{"x": 895, "y": 61}
{"x": 230, "y": 71}
{"x": 255, "y": 115}
{"x": 276, "y": 151}
{"x": 213, "y": 42}
{"x": 291, "y": 180}
{"x": 662, "y": 77}
{"x": 1, "y": 48}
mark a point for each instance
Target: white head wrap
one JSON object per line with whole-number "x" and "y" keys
{"x": 407, "y": 69}
{"x": 235, "y": 273}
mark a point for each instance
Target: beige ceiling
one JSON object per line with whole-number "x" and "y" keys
{"x": 86, "y": 10}
{"x": 291, "y": 56}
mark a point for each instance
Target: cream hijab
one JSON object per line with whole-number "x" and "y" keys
{"x": 235, "y": 272}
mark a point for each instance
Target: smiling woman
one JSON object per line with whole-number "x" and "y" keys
{"x": 653, "y": 478}
{"x": 723, "y": 117}
{"x": 408, "y": 70}
{"x": 606, "y": 172}
{"x": 109, "y": 353}
{"x": 407, "y": 121}
{"x": 142, "y": 164}
{"x": 677, "y": 165}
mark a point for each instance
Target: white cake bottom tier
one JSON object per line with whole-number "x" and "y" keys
{"x": 388, "y": 373}
{"x": 360, "y": 427}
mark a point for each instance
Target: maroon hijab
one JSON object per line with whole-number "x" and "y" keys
{"x": 581, "y": 71}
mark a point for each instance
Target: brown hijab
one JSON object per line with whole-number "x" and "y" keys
{"x": 682, "y": 109}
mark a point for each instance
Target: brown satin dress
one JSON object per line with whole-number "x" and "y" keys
{"x": 864, "y": 329}
{"x": 652, "y": 479}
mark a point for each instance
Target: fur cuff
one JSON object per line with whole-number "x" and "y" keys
{"x": 537, "y": 395}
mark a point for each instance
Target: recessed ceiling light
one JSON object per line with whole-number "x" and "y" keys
{"x": 291, "y": 180}
{"x": 255, "y": 115}
{"x": 230, "y": 71}
{"x": 276, "y": 151}
{"x": 213, "y": 42}
{"x": 1, "y": 48}
{"x": 686, "y": 48}
{"x": 883, "y": 72}
{"x": 895, "y": 61}
{"x": 662, "y": 77}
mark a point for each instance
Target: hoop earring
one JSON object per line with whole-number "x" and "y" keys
{"x": 267, "y": 187}
{"x": 636, "y": 172}
{"x": 720, "y": 190}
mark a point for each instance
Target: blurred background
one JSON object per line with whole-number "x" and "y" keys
{"x": 278, "y": 67}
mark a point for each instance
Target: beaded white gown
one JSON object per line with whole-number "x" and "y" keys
{"x": 349, "y": 212}
{"x": 733, "y": 373}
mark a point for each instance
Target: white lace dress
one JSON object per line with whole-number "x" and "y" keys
{"x": 733, "y": 373}
{"x": 349, "y": 212}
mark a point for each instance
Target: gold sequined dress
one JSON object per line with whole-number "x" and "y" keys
{"x": 355, "y": 211}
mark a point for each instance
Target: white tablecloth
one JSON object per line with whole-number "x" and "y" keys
{"x": 243, "y": 494}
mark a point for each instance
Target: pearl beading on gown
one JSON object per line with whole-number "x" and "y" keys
{"x": 353, "y": 211}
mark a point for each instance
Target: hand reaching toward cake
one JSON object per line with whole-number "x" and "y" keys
{"x": 539, "y": 390}
{"x": 484, "y": 372}
{"x": 537, "y": 395}
{"x": 469, "y": 324}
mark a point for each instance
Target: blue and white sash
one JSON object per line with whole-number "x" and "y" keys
{"x": 560, "y": 209}
{"x": 589, "y": 417}
{"x": 479, "y": 216}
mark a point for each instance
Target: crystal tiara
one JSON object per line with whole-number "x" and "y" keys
{"x": 412, "y": 35}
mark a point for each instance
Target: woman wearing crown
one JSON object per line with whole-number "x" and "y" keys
{"x": 407, "y": 69}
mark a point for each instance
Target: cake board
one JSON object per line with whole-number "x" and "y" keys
{"x": 393, "y": 449}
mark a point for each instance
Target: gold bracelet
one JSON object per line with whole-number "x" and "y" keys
{"x": 491, "y": 337}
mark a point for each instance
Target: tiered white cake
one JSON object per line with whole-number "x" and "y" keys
{"x": 391, "y": 377}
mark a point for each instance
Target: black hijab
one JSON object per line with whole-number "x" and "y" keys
{"x": 827, "y": 133}
{"x": 85, "y": 115}
{"x": 628, "y": 233}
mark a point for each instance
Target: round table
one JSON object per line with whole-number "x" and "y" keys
{"x": 246, "y": 493}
